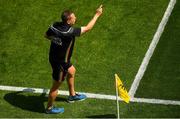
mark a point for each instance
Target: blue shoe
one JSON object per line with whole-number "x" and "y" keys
{"x": 54, "y": 110}
{"x": 77, "y": 97}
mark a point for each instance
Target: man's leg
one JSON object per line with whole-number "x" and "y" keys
{"x": 70, "y": 80}
{"x": 53, "y": 93}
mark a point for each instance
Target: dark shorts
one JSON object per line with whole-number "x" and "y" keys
{"x": 59, "y": 69}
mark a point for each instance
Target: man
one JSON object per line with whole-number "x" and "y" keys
{"x": 62, "y": 36}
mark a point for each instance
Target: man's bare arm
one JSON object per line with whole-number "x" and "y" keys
{"x": 90, "y": 25}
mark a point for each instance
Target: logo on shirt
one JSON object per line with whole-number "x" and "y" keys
{"x": 57, "y": 41}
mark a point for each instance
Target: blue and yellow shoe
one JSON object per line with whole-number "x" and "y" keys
{"x": 54, "y": 110}
{"x": 77, "y": 97}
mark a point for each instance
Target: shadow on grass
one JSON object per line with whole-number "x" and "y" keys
{"x": 30, "y": 103}
{"x": 103, "y": 116}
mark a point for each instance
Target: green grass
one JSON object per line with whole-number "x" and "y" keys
{"x": 29, "y": 105}
{"x": 117, "y": 43}
{"x": 162, "y": 77}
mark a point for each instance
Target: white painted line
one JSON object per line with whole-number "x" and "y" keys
{"x": 91, "y": 95}
{"x": 156, "y": 101}
{"x": 151, "y": 49}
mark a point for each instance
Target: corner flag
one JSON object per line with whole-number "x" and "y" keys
{"x": 122, "y": 90}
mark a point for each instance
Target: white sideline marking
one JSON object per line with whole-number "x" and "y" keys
{"x": 91, "y": 95}
{"x": 151, "y": 49}
{"x": 156, "y": 101}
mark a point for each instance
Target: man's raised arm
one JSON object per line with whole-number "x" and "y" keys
{"x": 90, "y": 25}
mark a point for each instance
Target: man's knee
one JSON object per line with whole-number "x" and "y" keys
{"x": 55, "y": 86}
{"x": 71, "y": 71}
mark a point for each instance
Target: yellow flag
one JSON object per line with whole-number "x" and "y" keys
{"x": 122, "y": 90}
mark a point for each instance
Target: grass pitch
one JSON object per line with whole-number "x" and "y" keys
{"x": 162, "y": 77}
{"x": 117, "y": 44}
